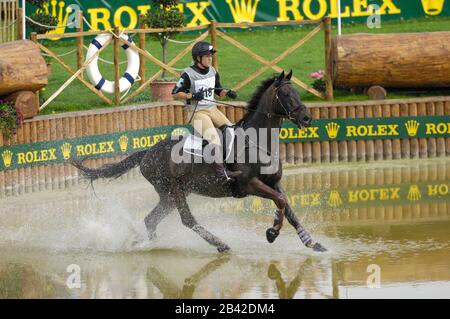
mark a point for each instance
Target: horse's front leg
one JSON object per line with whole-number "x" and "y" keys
{"x": 258, "y": 188}
{"x": 303, "y": 234}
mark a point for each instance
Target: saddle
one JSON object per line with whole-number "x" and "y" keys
{"x": 194, "y": 144}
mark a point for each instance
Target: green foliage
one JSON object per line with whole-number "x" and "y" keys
{"x": 10, "y": 118}
{"x": 320, "y": 85}
{"x": 164, "y": 14}
{"x": 44, "y": 19}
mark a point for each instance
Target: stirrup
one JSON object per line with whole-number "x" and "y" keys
{"x": 231, "y": 177}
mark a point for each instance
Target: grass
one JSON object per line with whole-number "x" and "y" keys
{"x": 234, "y": 65}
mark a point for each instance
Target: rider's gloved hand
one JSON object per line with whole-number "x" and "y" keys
{"x": 232, "y": 94}
{"x": 198, "y": 96}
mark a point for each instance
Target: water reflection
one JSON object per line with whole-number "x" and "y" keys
{"x": 395, "y": 216}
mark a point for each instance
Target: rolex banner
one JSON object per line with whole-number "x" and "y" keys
{"x": 121, "y": 143}
{"x": 107, "y": 14}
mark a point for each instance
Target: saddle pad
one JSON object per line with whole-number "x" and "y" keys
{"x": 193, "y": 145}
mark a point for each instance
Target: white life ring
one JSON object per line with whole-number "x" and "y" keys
{"x": 94, "y": 74}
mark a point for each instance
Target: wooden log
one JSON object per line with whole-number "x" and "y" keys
{"x": 22, "y": 67}
{"x": 342, "y": 145}
{"x": 2, "y": 173}
{"x": 53, "y": 168}
{"x": 328, "y": 59}
{"x": 290, "y": 153}
{"x": 414, "y": 142}
{"x": 26, "y": 140}
{"x": 141, "y": 46}
{"x": 72, "y": 133}
{"x": 423, "y": 145}
{"x": 116, "y": 66}
{"x": 316, "y": 147}
{"x": 283, "y": 153}
{"x": 60, "y": 167}
{"x": 404, "y": 143}
{"x": 307, "y": 151}
{"x": 360, "y": 144}
{"x": 41, "y": 137}
{"x": 370, "y": 145}
{"x": 26, "y": 102}
{"x": 376, "y": 92}
{"x": 212, "y": 31}
{"x": 8, "y": 173}
{"x": 68, "y": 172}
{"x": 396, "y": 145}
{"x": 80, "y": 42}
{"x": 388, "y": 59}
{"x": 178, "y": 115}
{"x": 447, "y": 140}
{"x": 431, "y": 142}
{"x": 387, "y": 144}
{"x": 34, "y": 170}
{"x": 325, "y": 145}
{"x": 298, "y": 153}
{"x": 15, "y": 173}
{"x": 378, "y": 144}
{"x": 351, "y": 145}
{"x": 440, "y": 142}
{"x": 334, "y": 146}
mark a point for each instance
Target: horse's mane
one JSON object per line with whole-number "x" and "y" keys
{"x": 254, "y": 101}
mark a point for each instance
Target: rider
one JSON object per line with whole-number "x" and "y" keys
{"x": 197, "y": 86}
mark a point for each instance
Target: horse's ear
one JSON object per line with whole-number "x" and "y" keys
{"x": 288, "y": 77}
{"x": 280, "y": 78}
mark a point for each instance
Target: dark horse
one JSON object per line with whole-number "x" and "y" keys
{"x": 274, "y": 100}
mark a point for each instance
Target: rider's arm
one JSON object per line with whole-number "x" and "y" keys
{"x": 182, "y": 88}
{"x": 219, "y": 90}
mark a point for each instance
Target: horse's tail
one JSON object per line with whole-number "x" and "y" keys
{"x": 113, "y": 170}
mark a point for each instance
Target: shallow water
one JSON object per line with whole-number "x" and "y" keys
{"x": 388, "y": 221}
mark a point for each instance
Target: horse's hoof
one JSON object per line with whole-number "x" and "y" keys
{"x": 223, "y": 249}
{"x": 318, "y": 247}
{"x": 152, "y": 236}
{"x": 273, "y": 272}
{"x": 272, "y": 234}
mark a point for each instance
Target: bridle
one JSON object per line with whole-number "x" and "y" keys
{"x": 269, "y": 115}
{"x": 288, "y": 113}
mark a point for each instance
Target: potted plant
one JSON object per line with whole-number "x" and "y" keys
{"x": 164, "y": 14}
{"x": 319, "y": 83}
{"x": 10, "y": 118}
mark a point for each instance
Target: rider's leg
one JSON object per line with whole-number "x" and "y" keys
{"x": 203, "y": 124}
{"x": 218, "y": 118}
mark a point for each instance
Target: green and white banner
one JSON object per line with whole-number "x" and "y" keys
{"x": 367, "y": 129}
{"x": 107, "y": 14}
{"x": 120, "y": 143}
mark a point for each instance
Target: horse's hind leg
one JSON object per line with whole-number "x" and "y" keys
{"x": 189, "y": 221}
{"x": 164, "y": 207}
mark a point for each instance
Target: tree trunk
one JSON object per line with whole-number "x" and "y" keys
{"x": 26, "y": 102}
{"x": 22, "y": 67}
{"x": 164, "y": 44}
{"x": 399, "y": 60}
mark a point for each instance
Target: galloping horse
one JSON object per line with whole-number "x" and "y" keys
{"x": 273, "y": 101}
